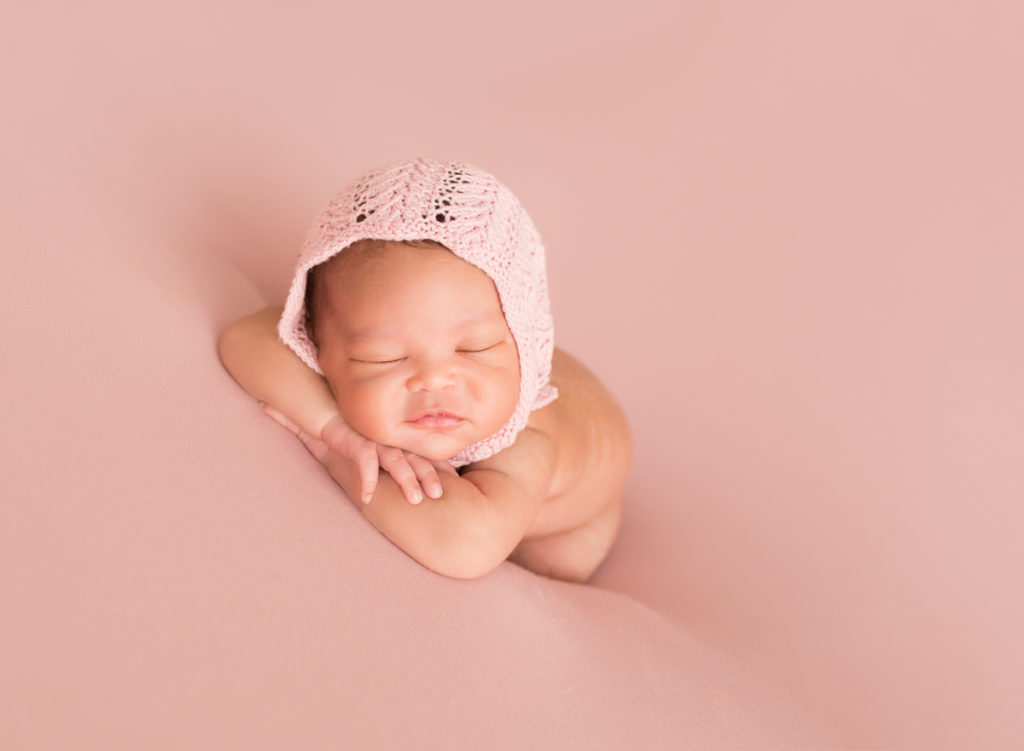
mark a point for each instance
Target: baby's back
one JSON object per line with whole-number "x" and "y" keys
{"x": 595, "y": 449}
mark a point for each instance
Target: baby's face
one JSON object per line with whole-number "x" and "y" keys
{"x": 416, "y": 350}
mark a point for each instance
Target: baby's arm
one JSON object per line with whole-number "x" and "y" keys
{"x": 482, "y": 517}
{"x": 265, "y": 367}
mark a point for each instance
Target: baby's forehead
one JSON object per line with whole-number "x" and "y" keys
{"x": 381, "y": 275}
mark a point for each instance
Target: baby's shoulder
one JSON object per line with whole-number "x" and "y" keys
{"x": 584, "y": 405}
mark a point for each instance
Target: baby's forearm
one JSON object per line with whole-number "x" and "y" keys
{"x": 459, "y": 535}
{"x": 265, "y": 367}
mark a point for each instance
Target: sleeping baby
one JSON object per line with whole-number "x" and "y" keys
{"x": 417, "y": 338}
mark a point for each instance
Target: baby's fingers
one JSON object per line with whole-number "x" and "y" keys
{"x": 396, "y": 463}
{"x": 426, "y": 472}
{"x": 368, "y": 471}
{"x": 316, "y": 447}
{"x": 278, "y": 417}
{"x": 445, "y": 466}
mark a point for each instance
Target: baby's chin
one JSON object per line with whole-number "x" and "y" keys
{"x": 435, "y": 451}
{"x": 437, "y": 447}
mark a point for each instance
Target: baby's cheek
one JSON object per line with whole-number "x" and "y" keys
{"x": 507, "y": 384}
{"x": 500, "y": 393}
{"x": 363, "y": 409}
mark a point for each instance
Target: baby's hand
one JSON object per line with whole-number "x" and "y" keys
{"x": 408, "y": 470}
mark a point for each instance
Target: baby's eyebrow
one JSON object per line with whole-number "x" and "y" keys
{"x": 372, "y": 335}
{"x": 478, "y": 319}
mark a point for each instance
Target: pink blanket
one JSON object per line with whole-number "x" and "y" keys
{"x": 787, "y": 236}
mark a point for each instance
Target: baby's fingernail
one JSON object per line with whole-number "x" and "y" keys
{"x": 417, "y": 496}
{"x": 435, "y": 491}
{"x": 367, "y": 497}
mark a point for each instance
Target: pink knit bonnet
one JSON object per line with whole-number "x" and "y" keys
{"x": 479, "y": 220}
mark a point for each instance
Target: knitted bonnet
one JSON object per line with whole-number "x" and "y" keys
{"x": 479, "y": 220}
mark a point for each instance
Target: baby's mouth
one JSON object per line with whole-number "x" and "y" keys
{"x": 437, "y": 419}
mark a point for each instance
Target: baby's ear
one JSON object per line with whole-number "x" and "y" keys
{"x": 310, "y": 325}
{"x": 310, "y": 329}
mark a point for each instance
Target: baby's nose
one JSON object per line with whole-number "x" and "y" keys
{"x": 433, "y": 377}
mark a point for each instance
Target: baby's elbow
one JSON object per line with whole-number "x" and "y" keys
{"x": 464, "y": 563}
{"x": 228, "y": 344}
{"x": 465, "y": 568}
{"x": 468, "y": 553}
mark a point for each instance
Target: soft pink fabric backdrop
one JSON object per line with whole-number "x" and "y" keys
{"x": 788, "y": 235}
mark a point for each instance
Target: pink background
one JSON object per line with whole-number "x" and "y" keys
{"x": 787, "y": 235}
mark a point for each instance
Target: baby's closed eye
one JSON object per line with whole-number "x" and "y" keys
{"x": 477, "y": 349}
{"x": 377, "y": 359}
{"x": 393, "y": 357}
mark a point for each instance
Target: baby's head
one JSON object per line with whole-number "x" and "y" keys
{"x": 414, "y": 344}
{"x": 421, "y": 295}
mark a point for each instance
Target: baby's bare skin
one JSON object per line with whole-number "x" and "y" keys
{"x": 578, "y": 520}
{"x": 418, "y": 329}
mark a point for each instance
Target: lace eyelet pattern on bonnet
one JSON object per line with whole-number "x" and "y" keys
{"x": 479, "y": 220}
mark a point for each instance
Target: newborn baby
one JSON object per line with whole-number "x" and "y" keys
{"x": 417, "y": 338}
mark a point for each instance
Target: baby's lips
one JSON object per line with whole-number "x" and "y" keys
{"x": 436, "y": 413}
{"x": 440, "y": 420}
